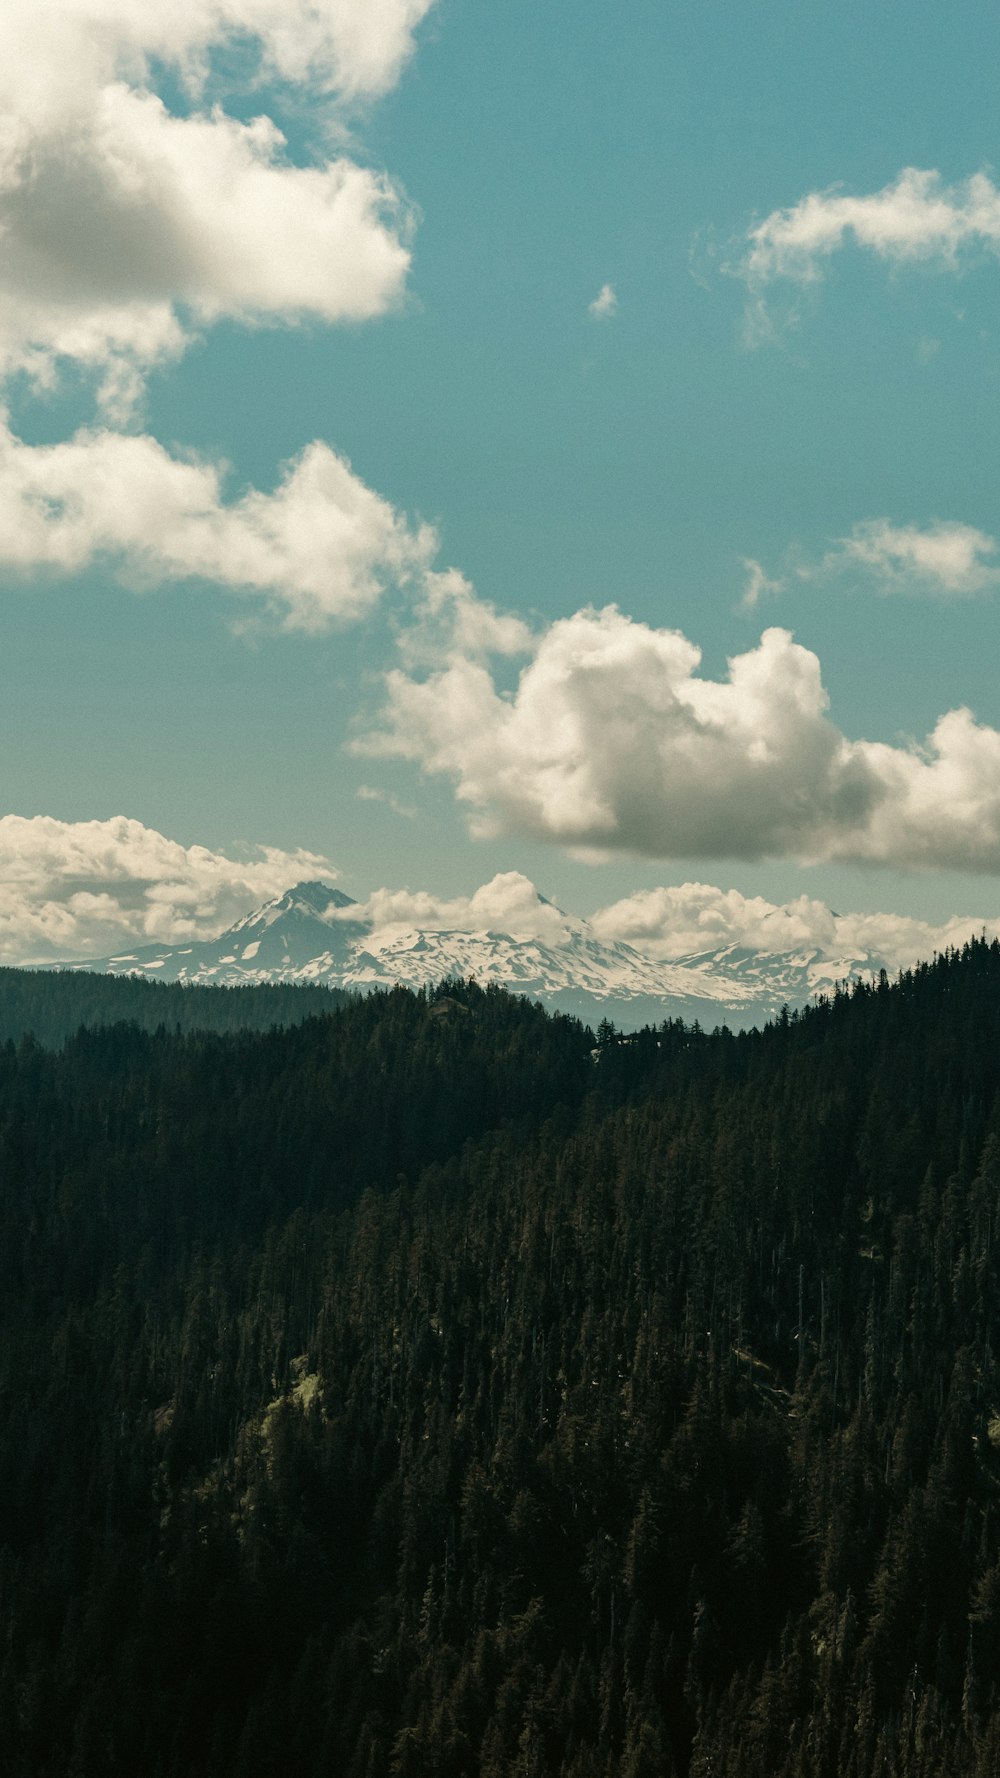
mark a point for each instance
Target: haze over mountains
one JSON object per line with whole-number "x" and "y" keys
{"x": 315, "y": 933}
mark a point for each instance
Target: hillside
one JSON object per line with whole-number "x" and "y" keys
{"x": 420, "y": 1393}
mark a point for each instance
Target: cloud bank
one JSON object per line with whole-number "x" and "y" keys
{"x": 675, "y": 922}
{"x": 681, "y": 921}
{"x": 70, "y": 890}
{"x": 612, "y": 741}
{"x": 89, "y": 888}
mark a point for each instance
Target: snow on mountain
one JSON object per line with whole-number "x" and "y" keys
{"x": 310, "y": 934}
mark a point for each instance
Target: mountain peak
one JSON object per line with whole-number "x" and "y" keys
{"x": 317, "y": 895}
{"x": 312, "y": 900}
{"x": 315, "y": 933}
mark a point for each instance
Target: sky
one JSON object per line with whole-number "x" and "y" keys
{"x": 449, "y": 441}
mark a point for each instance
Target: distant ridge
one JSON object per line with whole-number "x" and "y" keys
{"x": 308, "y": 934}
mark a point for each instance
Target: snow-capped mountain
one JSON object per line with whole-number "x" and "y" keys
{"x": 311, "y": 934}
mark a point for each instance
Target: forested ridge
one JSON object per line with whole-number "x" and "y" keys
{"x": 432, "y": 1390}
{"x": 52, "y": 1005}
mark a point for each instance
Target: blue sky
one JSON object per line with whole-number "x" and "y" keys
{"x": 811, "y": 411}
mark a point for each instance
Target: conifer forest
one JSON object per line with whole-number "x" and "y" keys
{"x": 423, "y": 1386}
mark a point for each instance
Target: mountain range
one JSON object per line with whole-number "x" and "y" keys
{"x": 315, "y": 933}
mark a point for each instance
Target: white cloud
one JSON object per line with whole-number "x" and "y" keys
{"x": 951, "y": 560}
{"x": 90, "y": 888}
{"x": 683, "y": 920}
{"x": 371, "y": 793}
{"x": 508, "y": 903}
{"x": 449, "y": 621}
{"x": 759, "y": 585}
{"x": 605, "y": 303}
{"x": 899, "y": 940}
{"x": 686, "y": 918}
{"x": 670, "y": 923}
{"x": 917, "y": 218}
{"x": 107, "y": 240}
{"x": 945, "y": 560}
{"x": 320, "y": 548}
{"x": 612, "y": 741}
{"x": 125, "y": 225}
{"x": 57, "y": 52}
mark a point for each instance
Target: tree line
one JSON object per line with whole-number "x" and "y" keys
{"x": 53, "y": 1004}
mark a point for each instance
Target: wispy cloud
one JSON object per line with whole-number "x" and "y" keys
{"x": 759, "y": 585}
{"x": 948, "y": 560}
{"x": 605, "y": 303}
{"x": 915, "y": 219}
{"x": 370, "y": 793}
{"x": 449, "y": 620}
{"x": 944, "y": 560}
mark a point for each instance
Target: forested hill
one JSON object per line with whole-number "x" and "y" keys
{"x": 52, "y": 1005}
{"x": 417, "y": 1393}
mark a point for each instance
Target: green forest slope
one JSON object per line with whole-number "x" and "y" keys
{"x": 422, "y": 1392}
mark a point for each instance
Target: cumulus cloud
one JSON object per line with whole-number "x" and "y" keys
{"x": 111, "y": 244}
{"x": 125, "y": 225}
{"x": 508, "y": 903}
{"x": 320, "y": 548}
{"x": 950, "y": 560}
{"x": 605, "y": 303}
{"x": 90, "y": 888}
{"x": 613, "y": 741}
{"x": 685, "y": 918}
{"x": 689, "y": 918}
{"x": 916, "y": 218}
